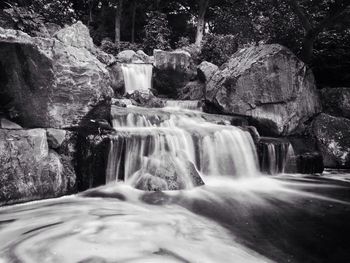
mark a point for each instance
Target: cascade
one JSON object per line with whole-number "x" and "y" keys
{"x": 276, "y": 155}
{"x": 184, "y": 104}
{"x": 137, "y": 77}
{"x": 147, "y": 139}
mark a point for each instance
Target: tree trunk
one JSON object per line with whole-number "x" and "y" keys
{"x": 91, "y": 6}
{"x": 133, "y": 18}
{"x": 118, "y": 16}
{"x": 308, "y": 47}
{"x": 203, "y": 4}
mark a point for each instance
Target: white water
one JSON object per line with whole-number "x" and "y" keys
{"x": 184, "y": 104}
{"x": 137, "y": 77}
{"x": 181, "y": 138}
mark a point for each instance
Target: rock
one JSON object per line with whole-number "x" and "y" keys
{"x": 308, "y": 157}
{"x": 206, "y": 70}
{"x": 194, "y": 90}
{"x": 269, "y": 84}
{"x": 55, "y": 137}
{"x": 29, "y": 170}
{"x": 50, "y": 84}
{"x": 167, "y": 172}
{"x": 336, "y": 101}
{"x": 126, "y": 56}
{"x": 333, "y": 139}
{"x": 117, "y": 78}
{"x": 104, "y": 57}
{"x": 92, "y": 158}
{"x": 9, "y": 125}
{"x": 172, "y": 71}
{"x": 145, "y": 99}
{"x": 144, "y": 57}
{"x": 76, "y": 35}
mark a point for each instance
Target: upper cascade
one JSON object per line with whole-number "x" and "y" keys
{"x": 137, "y": 77}
{"x": 180, "y": 145}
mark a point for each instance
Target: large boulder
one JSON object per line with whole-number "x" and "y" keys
{"x": 76, "y": 35}
{"x": 206, "y": 70}
{"x": 172, "y": 71}
{"x": 193, "y": 90}
{"x": 268, "y": 83}
{"x": 52, "y": 83}
{"x": 29, "y": 169}
{"x": 333, "y": 138}
{"x": 336, "y": 101}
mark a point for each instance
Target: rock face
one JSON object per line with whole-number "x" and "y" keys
{"x": 336, "y": 101}
{"x": 268, "y": 83}
{"x": 51, "y": 82}
{"x": 29, "y": 169}
{"x": 172, "y": 71}
{"x": 333, "y": 138}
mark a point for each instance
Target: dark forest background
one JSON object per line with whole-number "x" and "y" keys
{"x": 317, "y": 31}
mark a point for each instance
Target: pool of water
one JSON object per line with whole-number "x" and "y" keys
{"x": 285, "y": 218}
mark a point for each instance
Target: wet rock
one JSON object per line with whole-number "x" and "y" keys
{"x": 269, "y": 84}
{"x": 50, "y": 83}
{"x": 117, "y": 78}
{"x": 145, "y": 99}
{"x": 194, "y": 90}
{"x": 76, "y": 35}
{"x": 333, "y": 139}
{"x": 167, "y": 172}
{"x": 29, "y": 169}
{"x": 206, "y": 70}
{"x": 9, "y": 125}
{"x": 172, "y": 71}
{"x": 336, "y": 101}
{"x": 55, "y": 137}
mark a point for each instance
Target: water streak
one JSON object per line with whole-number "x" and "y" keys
{"x": 137, "y": 77}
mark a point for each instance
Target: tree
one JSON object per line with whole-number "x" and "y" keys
{"x": 118, "y": 16}
{"x": 203, "y": 5}
{"x": 336, "y": 10}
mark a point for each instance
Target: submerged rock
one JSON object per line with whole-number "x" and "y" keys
{"x": 269, "y": 84}
{"x": 172, "y": 71}
{"x": 333, "y": 138}
{"x": 52, "y": 83}
{"x": 336, "y": 101}
{"x": 29, "y": 169}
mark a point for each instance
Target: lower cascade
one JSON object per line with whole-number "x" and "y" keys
{"x": 168, "y": 149}
{"x": 137, "y": 77}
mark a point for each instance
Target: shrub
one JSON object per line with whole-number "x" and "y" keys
{"x": 24, "y": 19}
{"x": 108, "y": 46}
{"x": 218, "y": 49}
{"x": 157, "y": 33}
{"x": 183, "y": 42}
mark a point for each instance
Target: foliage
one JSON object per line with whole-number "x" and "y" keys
{"x": 108, "y": 46}
{"x": 157, "y": 33}
{"x": 217, "y": 49}
{"x": 183, "y": 42}
{"x": 60, "y": 12}
{"x": 24, "y": 19}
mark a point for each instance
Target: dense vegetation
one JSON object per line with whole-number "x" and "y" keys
{"x": 317, "y": 31}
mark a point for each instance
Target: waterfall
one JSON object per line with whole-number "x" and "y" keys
{"x": 153, "y": 142}
{"x": 184, "y": 104}
{"x": 137, "y": 77}
{"x": 275, "y": 155}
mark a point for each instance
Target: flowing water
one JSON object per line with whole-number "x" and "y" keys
{"x": 137, "y": 77}
{"x": 239, "y": 215}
